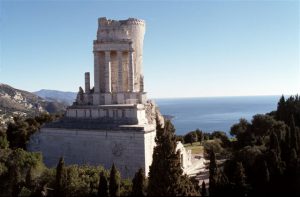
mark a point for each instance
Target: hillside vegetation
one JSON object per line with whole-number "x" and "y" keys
{"x": 15, "y": 102}
{"x": 265, "y": 157}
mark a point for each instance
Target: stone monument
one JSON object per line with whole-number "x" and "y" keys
{"x": 113, "y": 122}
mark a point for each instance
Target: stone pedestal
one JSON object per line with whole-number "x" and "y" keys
{"x": 96, "y": 99}
{"x": 120, "y": 98}
{"x": 129, "y": 148}
{"x": 107, "y": 98}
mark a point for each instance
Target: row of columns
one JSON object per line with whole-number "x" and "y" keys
{"x": 108, "y": 75}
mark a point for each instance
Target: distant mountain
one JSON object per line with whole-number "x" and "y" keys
{"x": 59, "y": 96}
{"x": 19, "y": 102}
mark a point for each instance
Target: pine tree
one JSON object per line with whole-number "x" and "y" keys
{"x": 103, "y": 185}
{"x": 138, "y": 187}
{"x": 59, "y": 177}
{"x": 165, "y": 175}
{"x": 114, "y": 182}
{"x": 203, "y": 189}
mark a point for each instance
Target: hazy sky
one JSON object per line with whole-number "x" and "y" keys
{"x": 191, "y": 48}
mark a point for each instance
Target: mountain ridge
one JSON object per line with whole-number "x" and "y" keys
{"x": 66, "y": 97}
{"x": 17, "y": 102}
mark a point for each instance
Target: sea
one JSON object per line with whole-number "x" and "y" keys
{"x": 213, "y": 113}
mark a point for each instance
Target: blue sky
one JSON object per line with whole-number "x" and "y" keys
{"x": 191, "y": 48}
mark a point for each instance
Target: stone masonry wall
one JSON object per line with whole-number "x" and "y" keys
{"x": 128, "y": 150}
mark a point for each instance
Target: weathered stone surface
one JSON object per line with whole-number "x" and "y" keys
{"x": 129, "y": 149}
{"x": 118, "y": 54}
{"x": 185, "y": 155}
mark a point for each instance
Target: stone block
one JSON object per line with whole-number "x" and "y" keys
{"x": 95, "y": 113}
{"x": 120, "y": 98}
{"x": 80, "y": 113}
{"x": 96, "y": 99}
{"x": 107, "y": 99}
{"x": 102, "y": 113}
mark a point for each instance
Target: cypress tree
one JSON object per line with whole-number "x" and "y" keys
{"x": 240, "y": 180}
{"x": 59, "y": 177}
{"x": 286, "y": 145}
{"x": 265, "y": 173}
{"x": 281, "y": 109}
{"x": 292, "y": 164}
{"x": 212, "y": 173}
{"x": 262, "y": 174}
{"x": 294, "y": 136}
{"x": 138, "y": 183}
{"x": 298, "y": 140}
{"x": 165, "y": 175}
{"x": 203, "y": 189}
{"x": 274, "y": 144}
{"x": 222, "y": 184}
{"x": 114, "y": 182}
{"x": 103, "y": 185}
{"x": 3, "y": 139}
{"x": 14, "y": 177}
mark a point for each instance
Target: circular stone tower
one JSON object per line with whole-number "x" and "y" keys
{"x": 117, "y": 35}
{"x": 136, "y": 34}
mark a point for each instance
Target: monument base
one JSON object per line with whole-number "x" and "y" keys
{"x": 128, "y": 147}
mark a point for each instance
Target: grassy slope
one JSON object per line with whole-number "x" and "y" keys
{"x": 196, "y": 148}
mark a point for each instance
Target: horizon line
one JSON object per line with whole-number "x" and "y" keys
{"x": 219, "y": 96}
{"x": 176, "y": 97}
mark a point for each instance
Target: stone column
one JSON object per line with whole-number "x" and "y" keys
{"x": 107, "y": 72}
{"x": 96, "y": 72}
{"x": 131, "y": 72}
{"x": 120, "y": 71}
{"x": 87, "y": 82}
